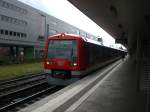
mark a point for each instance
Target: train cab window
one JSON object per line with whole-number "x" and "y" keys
{"x": 63, "y": 49}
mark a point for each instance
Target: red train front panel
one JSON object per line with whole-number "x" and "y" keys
{"x": 64, "y": 56}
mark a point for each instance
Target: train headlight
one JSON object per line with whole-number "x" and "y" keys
{"x": 74, "y": 64}
{"x": 47, "y": 62}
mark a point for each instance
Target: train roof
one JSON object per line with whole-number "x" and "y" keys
{"x": 74, "y": 36}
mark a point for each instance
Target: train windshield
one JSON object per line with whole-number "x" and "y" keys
{"x": 66, "y": 49}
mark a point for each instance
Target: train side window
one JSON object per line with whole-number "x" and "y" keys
{"x": 87, "y": 50}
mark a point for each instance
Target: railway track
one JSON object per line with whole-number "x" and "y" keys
{"x": 17, "y": 104}
{"x": 23, "y": 90}
{"x": 18, "y": 82}
{"x": 7, "y": 81}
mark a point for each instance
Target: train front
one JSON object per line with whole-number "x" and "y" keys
{"x": 62, "y": 62}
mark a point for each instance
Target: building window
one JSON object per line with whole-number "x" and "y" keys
{"x": 73, "y": 31}
{"x": 6, "y": 32}
{"x": 40, "y": 38}
{"x": 21, "y": 35}
{"x": 13, "y": 20}
{"x": 52, "y": 22}
{"x": 24, "y": 35}
{"x": 7, "y": 5}
{"x": 2, "y": 32}
{"x": 18, "y": 34}
{"x": 83, "y": 34}
{"x": 4, "y": 4}
{"x": 14, "y": 34}
{"x": 10, "y": 33}
{"x": 2, "y": 18}
{"x": 25, "y": 23}
{"x": 13, "y": 7}
{"x": 78, "y": 32}
{"x": 52, "y": 32}
{"x": 87, "y": 36}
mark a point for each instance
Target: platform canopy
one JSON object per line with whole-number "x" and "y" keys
{"x": 122, "y": 19}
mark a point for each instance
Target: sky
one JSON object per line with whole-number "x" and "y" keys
{"x": 65, "y": 11}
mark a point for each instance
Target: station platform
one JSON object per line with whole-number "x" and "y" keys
{"x": 114, "y": 92}
{"x": 117, "y": 93}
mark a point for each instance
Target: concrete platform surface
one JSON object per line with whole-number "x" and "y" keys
{"x": 117, "y": 93}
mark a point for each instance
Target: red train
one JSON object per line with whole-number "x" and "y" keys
{"x": 69, "y": 57}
